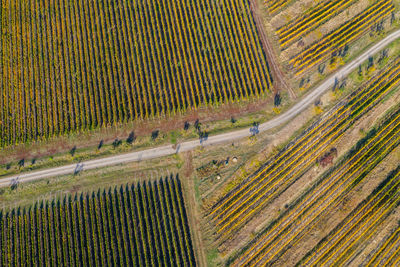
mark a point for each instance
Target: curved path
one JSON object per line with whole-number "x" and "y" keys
{"x": 212, "y": 140}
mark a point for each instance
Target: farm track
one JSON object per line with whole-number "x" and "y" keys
{"x": 342, "y": 36}
{"x": 303, "y": 215}
{"x": 359, "y": 217}
{"x": 289, "y": 164}
{"x": 278, "y": 77}
{"x": 310, "y": 20}
{"x": 224, "y": 138}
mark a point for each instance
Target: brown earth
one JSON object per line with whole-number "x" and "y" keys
{"x": 378, "y": 174}
{"x": 91, "y": 138}
{"x": 192, "y": 209}
{"x": 273, "y": 210}
{"x": 277, "y": 74}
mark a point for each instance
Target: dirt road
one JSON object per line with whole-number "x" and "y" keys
{"x": 277, "y": 73}
{"x": 211, "y": 140}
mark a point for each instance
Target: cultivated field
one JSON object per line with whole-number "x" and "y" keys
{"x": 141, "y": 225}
{"x": 335, "y": 43}
{"x": 241, "y": 213}
{"x": 314, "y": 33}
{"x": 324, "y": 196}
{"x": 322, "y": 190}
{"x": 75, "y": 65}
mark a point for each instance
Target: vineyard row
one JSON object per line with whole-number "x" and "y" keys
{"x": 143, "y": 225}
{"x": 324, "y": 195}
{"x": 312, "y": 19}
{"x": 342, "y": 36}
{"x": 76, "y": 65}
{"x": 275, "y": 5}
{"x": 243, "y": 202}
{"x": 367, "y": 216}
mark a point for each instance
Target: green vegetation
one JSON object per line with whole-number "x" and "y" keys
{"x": 143, "y": 224}
{"x": 70, "y": 66}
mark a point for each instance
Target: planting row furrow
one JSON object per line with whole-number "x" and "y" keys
{"x": 143, "y": 225}
{"x": 310, "y": 20}
{"x": 342, "y": 36}
{"x": 325, "y": 194}
{"x": 263, "y": 190}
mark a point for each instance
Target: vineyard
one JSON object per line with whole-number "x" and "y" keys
{"x": 324, "y": 196}
{"x": 143, "y": 225}
{"x": 313, "y": 18}
{"x": 344, "y": 35}
{"x": 342, "y": 243}
{"x": 76, "y": 65}
{"x": 243, "y": 202}
{"x": 311, "y": 33}
{"x": 248, "y": 202}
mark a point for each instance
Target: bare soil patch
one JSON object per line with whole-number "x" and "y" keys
{"x": 192, "y": 209}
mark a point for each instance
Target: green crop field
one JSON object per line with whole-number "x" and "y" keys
{"x": 75, "y": 65}
{"x": 141, "y": 225}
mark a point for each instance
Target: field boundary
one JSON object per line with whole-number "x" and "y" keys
{"x": 212, "y": 140}
{"x": 276, "y": 71}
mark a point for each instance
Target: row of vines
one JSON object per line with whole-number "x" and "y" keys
{"x": 229, "y": 214}
{"x": 77, "y": 65}
{"x": 308, "y": 38}
{"x": 342, "y": 36}
{"x": 359, "y": 228}
{"x": 310, "y": 20}
{"x": 324, "y": 196}
{"x": 139, "y": 225}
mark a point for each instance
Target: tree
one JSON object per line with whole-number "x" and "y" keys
{"x": 321, "y": 68}
{"x": 370, "y": 62}
{"x": 131, "y": 138}
{"x": 116, "y": 143}
{"x": 277, "y": 99}
{"x": 72, "y": 151}
{"x": 302, "y": 81}
{"x": 345, "y": 51}
{"x": 21, "y": 163}
{"x": 343, "y": 84}
{"x": 155, "y": 134}
{"x": 336, "y": 84}
{"x": 186, "y": 126}
{"x": 100, "y": 144}
{"x": 393, "y": 18}
{"x": 197, "y": 125}
{"x": 203, "y": 136}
